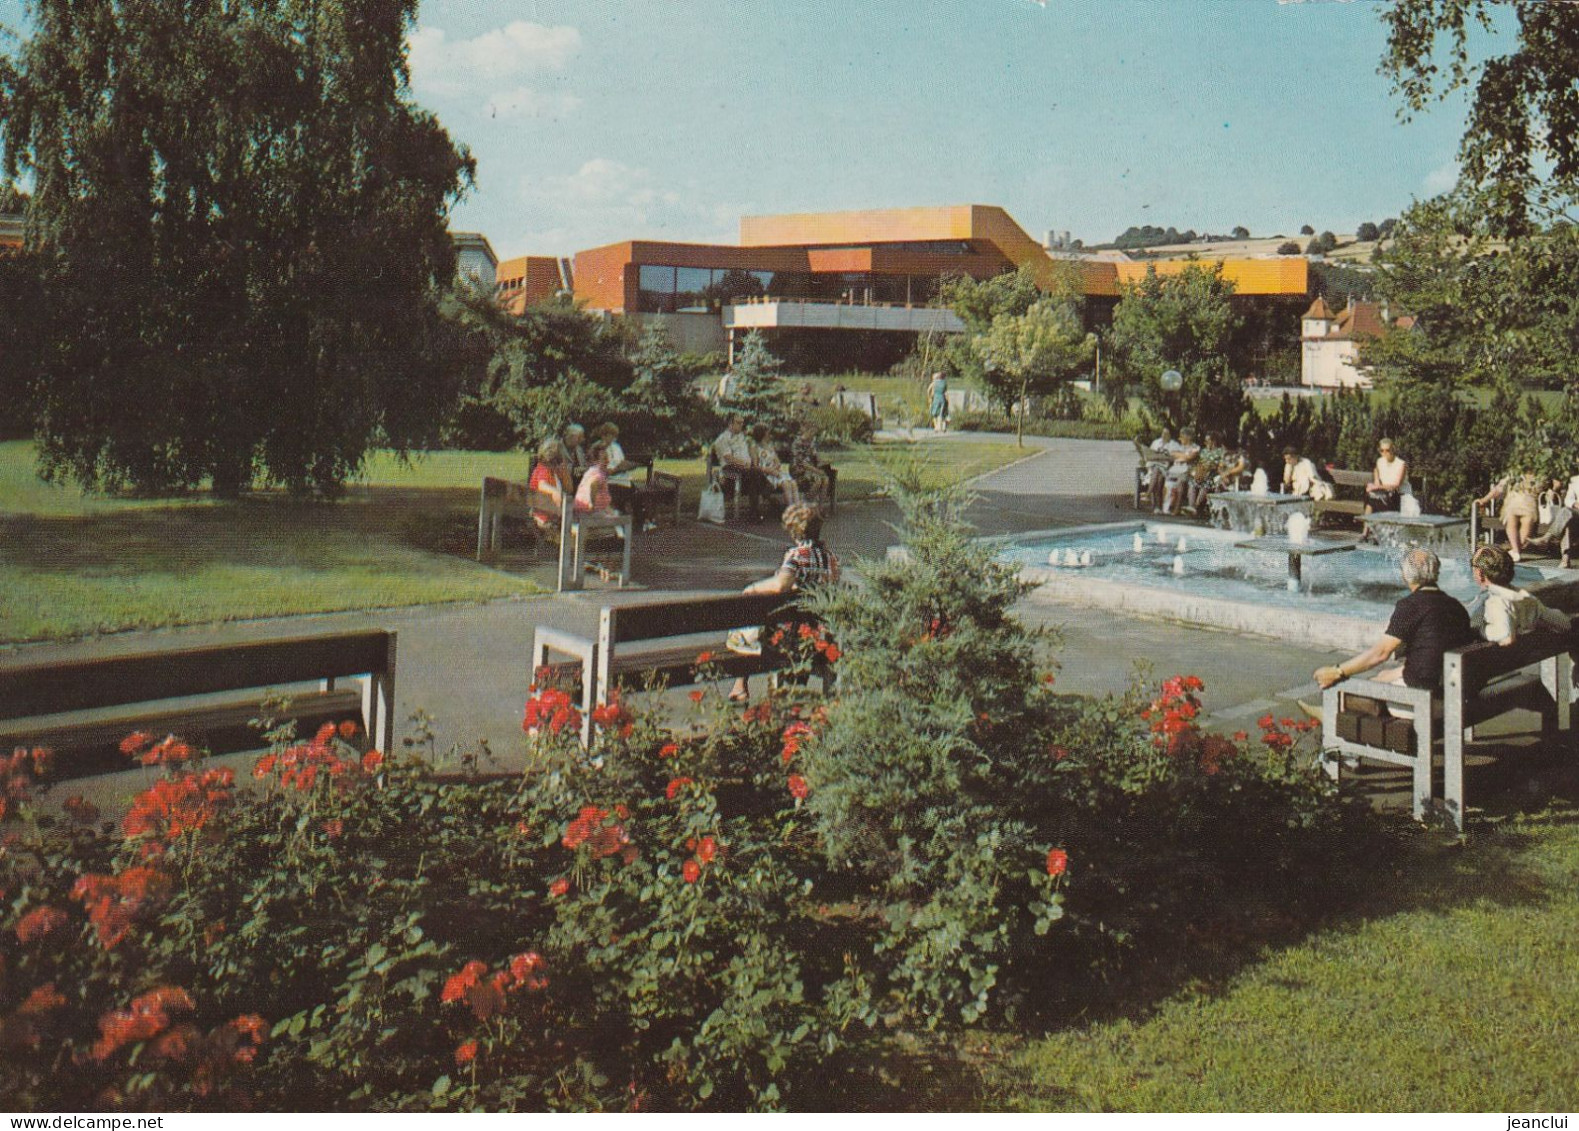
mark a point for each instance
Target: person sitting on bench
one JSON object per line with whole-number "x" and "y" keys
{"x": 1508, "y": 612}
{"x": 807, "y": 563}
{"x": 551, "y": 477}
{"x": 1427, "y": 623}
{"x": 1386, "y": 488}
{"x": 733, "y": 452}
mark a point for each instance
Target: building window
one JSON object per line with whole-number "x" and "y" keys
{"x": 656, "y": 290}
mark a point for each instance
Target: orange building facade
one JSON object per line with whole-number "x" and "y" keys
{"x": 884, "y": 257}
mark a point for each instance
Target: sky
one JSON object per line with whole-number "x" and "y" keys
{"x": 594, "y": 121}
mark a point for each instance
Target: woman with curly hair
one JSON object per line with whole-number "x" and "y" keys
{"x": 806, "y": 564}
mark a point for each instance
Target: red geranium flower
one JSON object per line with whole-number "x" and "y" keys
{"x": 798, "y": 788}
{"x": 559, "y": 887}
{"x": 1057, "y": 862}
{"x": 372, "y": 760}
{"x": 707, "y": 849}
{"x": 38, "y": 923}
{"x": 696, "y": 696}
{"x": 704, "y": 657}
{"x": 466, "y": 1053}
{"x": 668, "y": 750}
{"x": 675, "y": 786}
{"x": 692, "y": 871}
{"x": 348, "y": 728}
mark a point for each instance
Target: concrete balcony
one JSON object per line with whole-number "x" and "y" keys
{"x": 774, "y": 314}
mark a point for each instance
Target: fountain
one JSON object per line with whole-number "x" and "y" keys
{"x": 1316, "y": 591}
{"x": 1258, "y": 483}
{"x": 1246, "y": 511}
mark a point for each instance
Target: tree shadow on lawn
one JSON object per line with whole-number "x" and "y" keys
{"x": 1404, "y": 867}
{"x": 261, "y": 531}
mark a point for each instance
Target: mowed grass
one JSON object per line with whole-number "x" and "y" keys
{"x": 405, "y": 534}
{"x": 1454, "y": 989}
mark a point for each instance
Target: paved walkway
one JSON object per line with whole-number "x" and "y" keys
{"x": 467, "y": 666}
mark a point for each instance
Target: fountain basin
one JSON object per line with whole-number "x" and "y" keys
{"x": 1443, "y": 534}
{"x": 1344, "y": 602}
{"x": 1247, "y": 512}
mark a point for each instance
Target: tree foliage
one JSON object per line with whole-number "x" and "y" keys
{"x": 1521, "y": 144}
{"x": 1367, "y": 232}
{"x": 240, "y": 216}
{"x": 1486, "y": 312}
{"x": 1182, "y": 321}
{"x": 1033, "y": 354}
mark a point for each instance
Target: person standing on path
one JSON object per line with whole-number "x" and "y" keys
{"x": 939, "y": 395}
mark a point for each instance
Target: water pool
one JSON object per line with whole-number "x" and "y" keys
{"x": 1344, "y": 601}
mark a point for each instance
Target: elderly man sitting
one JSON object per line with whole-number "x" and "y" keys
{"x": 1426, "y": 623}
{"x": 732, "y": 449}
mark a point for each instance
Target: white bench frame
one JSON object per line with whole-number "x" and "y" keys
{"x": 1458, "y": 713}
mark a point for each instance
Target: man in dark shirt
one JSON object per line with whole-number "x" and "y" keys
{"x": 1426, "y": 623}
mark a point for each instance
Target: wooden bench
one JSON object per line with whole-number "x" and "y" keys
{"x": 38, "y": 696}
{"x": 660, "y": 639}
{"x": 1486, "y": 526}
{"x": 503, "y": 499}
{"x": 1352, "y": 501}
{"x": 730, "y": 485}
{"x": 1479, "y": 682}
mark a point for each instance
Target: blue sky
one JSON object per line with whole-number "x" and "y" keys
{"x": 599, "y": 120}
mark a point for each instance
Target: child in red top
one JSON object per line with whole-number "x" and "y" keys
{"x": 549, "y": 477}
{"x": 593, "y": 494}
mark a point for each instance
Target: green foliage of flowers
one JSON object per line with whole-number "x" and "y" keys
{"x": 736, "y": 914}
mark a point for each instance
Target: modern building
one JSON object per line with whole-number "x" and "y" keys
{"x": 474, "y": 258}
{"x": 528, "y": 280}
{"x": 1330, "y": 343}
{"x": 856, "y": 287}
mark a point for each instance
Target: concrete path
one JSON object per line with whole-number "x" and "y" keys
{"x": 468, "y": 666}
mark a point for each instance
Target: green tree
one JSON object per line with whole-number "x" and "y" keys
{"x": 1241, "y": 232}
{"x": 978, "y": 303}
{"x": 1486, "y": 311}
{"x": 756, "y": 391}
{"x": 1367, "y": 232}
{"x": 1288, "y": 247}
{"x": 1184, "y": 322}
{"x": 1306, "y": 230}
{"x": 1032, "y": 353}
{"x": 240, "y": 216}
{"x": 1520, "y": 148}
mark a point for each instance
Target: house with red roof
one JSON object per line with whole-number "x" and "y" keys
{"x": 1330, "y": 343}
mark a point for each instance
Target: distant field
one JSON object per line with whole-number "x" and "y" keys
{"x": 73, "y": 565}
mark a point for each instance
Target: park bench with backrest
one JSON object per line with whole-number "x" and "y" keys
{"x": 91, "y": 703}
{"x": 731, "y": 485}
{"x": 1479, "y": 682}
{"x": 659, "y": 640}
{"x": 1348, "y": 493}
{"x": 503, "y": 499}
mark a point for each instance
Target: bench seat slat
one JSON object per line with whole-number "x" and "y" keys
{"x": 44, "y": 687}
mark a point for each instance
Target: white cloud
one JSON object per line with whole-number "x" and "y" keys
{"x": 495, "y": 67}
{"x": 606, "y": 200}
{"x": 1441, "y": 179}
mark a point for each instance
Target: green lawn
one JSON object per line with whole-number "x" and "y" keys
{"x": 72, "y": 565}
{"x": 1453, "y": 988}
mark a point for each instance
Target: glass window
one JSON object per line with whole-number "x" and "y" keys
{"x": 733, "y": 285}
{"x": 690, "y": 287}
{"x": 656, "y": 286}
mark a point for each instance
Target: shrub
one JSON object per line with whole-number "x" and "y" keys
{"x": 730, "y": 916}
{"x": 837, "y": 424}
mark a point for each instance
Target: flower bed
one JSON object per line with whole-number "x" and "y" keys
{"x": 732, "y": 917}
